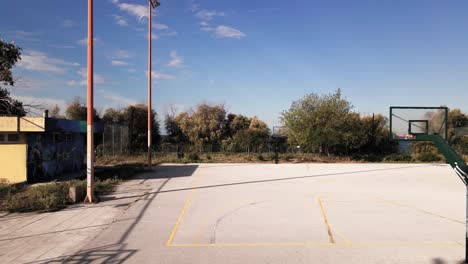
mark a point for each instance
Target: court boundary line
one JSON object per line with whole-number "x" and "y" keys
{"x": 324, "y": 244}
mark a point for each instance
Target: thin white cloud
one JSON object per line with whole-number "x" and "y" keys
{"x": 161, "y": 76}
{"x": 41, "y": 62}
{"x": 209, "y": 14}
{"x": 56, "y": 46}
{"x": 176, "y": 60}
{"x": 83, "y": 73}
{"x": 118, "y": 63}
{"x": 25, "y": 35}
{"x": 122, "y": 54}
{"x": 164, "y": 30}
{"x": 140, "y": 11}
{"x": 120, "y": 20}
{"x": 194, "y": 7}
{"x": 229, "y": 32}
{"x": 84, "y": 41}
{"x": 116, "y": 99}
{"x": 68, "y": 23}
{"x": 161, "y": 26}
{"x": 41, "y": 102}
{"x": 131, "y": 70}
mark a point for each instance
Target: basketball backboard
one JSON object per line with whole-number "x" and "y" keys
{"x": 411, "y": 123}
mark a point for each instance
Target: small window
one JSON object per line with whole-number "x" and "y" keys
{"x": 68, "y": 137}
{"x": 56, "y": 137}
{"x": 13, "y": 138}
{"x": 2, "y": 137}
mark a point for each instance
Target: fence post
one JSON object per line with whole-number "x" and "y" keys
{"x": 121, "y": 141}
{"x": 103, "y": 142}
{"x": 113, "y": 141}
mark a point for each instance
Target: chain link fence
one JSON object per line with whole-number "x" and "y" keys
{"x": 115, "y": 141}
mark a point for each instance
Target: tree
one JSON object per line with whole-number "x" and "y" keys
{"x": 377, "y": 135}
{"x": 77, "y": 110}
{"x": 319, "y": 123}
{"x": 136, "y": 117}
{"x": 55, "y": 112}
{"x": 113, "y": 116}
{"x": 10, "y": 106}
{"x": 456, "y": 118}
{"x": 173, "y": 130}
{"x": 9, "y": 56}
{"x": 205, "y": 125}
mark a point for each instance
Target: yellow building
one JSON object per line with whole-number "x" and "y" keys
{"x": 13, "y": 145}
{"x": 36, "y": 149}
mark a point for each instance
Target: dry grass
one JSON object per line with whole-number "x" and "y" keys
{"x": 54, "y": 196}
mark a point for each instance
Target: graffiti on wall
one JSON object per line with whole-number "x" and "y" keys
{"x": 51, "y": 155}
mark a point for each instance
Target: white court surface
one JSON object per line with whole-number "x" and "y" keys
{"x": 291, "y": 213}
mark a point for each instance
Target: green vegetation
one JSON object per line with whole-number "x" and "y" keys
{"x": 210, "y": 125}
{"x": 10, "y": 53}
{"x": 326, "y": 124}
{"x": 54, "y": 196}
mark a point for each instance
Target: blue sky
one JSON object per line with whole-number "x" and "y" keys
{"x": 256, "y": 57}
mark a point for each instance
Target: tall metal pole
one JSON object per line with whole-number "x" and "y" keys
{"x": 149, "y": 82}
{"x": 90, "y": 135}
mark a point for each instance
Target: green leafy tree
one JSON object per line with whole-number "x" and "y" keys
{"x": 10, "y": 53}
{"x": 113, "y": 116}
{"x": 173, "y": 130}
{"x": 136, "y": 117}
{"x": 318, "y": 123}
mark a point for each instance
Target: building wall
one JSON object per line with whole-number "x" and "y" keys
{"x": 13, "y": 161}
{"x": 53, "y": 154}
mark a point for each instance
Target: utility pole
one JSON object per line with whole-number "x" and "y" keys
{"x": 152, "y": 4}
{"x": 90, "y": 131}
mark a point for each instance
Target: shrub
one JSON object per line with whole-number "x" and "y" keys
{"x": 260, "y": 157}
{"x": 193, "y": 156}
{"x": 45, "y": 198}
{"x": 398, "y": 158}
{"x": 429, "y": 157}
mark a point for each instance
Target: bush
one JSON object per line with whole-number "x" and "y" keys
{"x": 193, "y": 156}
{"x": 429, "y": 157}
{"x": 45, "y": 198}
{"x": 398, "y": 158}
{"x": 367, "y": 157}
{"x": 260, "y": 157}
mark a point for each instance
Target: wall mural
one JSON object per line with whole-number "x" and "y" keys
{"x": 51, "y": 155}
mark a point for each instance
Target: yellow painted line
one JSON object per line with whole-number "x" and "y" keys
{"x": 375, "y": 244}
{"x": 182, "y": 213}
{"x": 346, "y": 240}
{"x": 404, "y": 244}
{"x": 252, "y": 245}
{"x": 420, "y": 210}
{"x": 325, "y": 220}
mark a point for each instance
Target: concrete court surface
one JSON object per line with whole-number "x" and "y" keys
{"x": 289, "y": 213}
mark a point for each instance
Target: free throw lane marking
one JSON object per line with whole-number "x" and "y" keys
{"x": 325, "y": 220}
{"x": 182, "y": 213}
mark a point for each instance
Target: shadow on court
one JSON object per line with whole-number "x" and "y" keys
{"x": 117, "y": 253}
{"x": 293, "y": 178}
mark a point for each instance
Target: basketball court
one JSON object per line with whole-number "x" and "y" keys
{"x": 296, "y": 213}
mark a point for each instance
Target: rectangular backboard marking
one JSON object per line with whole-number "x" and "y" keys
{"x": 418, "y": 127}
